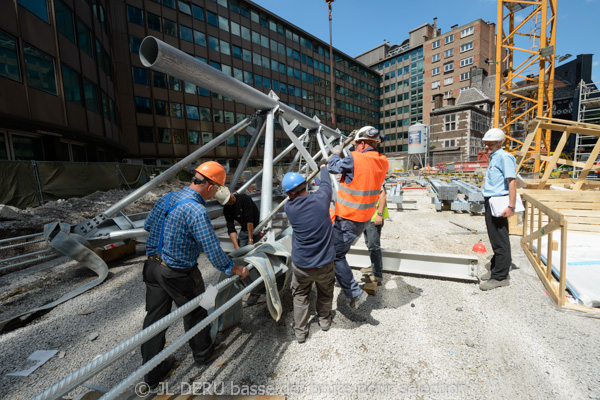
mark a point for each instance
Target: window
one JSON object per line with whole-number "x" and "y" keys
{"x": 177, "y": 110}
{"x": 225, "y": 47}
{"x": 435, "y": 71}
{"x": 449, "y": 67}
{"x": 164, "y": 135}
{"x": 174, "y": 83}
{"x": 467, "y": 32}
{"x": 212, "y": 19}
{"x": 37, "y": 7}
{"x": 64, "y": 20}
{"x": 448, "y": 81}
{"x": 140, "y": 75}
{"x": 192, "y": 112}
{"x": 190, "y": 88}
{"x": 194, "y": 137}
{"x": 154, "y": 22}
{"x": 178, "y": 136}
{"x": 142, "y": 105}
{"x": 184, "y": 7}
{"x": 223, "y": 24}
{"x": 198, "y": 12}
{"x": 84, "y": 37}
{"x": 135, "y": 15}
{"x": 186, "y": 33}
{"x": 169, "y": 3}
{"x": 435, "y": 44}
{"x": 466, "y": 61}
{"x": 449, "y": 53}
{"x": 449, "y": 143}
{"x": 450, "y": 122}
{"x": 434, "y": 58}
{"x": 205, "y": 114}
{"x": 170, "y": 27}
{"x": 206, "y": 137}
{"x": 159, "y": 80}
{"x": 134, "y": 44}
{"x": 40, "y": 69}
{"x": 218, "y": 116}
{"x": 71, "y": 85}
{"x": 449, "y": 39}
{"x": 213, "y": 43}
{"x": 434, "y": 85}
{"x": 161, "y": 107}
{"x": 462, "y": 89}
{"x": 448, "y": 94}
{"x": 27, "y": 148}
{"x": 466, "y": 46}
{"x": 235, "y": 28}
{"x": 145, "y": 134}
{"x": 465, "y": 76}
{"x": 200, "y": 38}
{"x": 9, "y": 63}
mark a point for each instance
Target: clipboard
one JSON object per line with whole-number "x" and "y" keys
{"x": 499, "y": 204}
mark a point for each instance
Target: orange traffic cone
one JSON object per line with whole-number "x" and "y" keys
{"x": 479, "y": 248}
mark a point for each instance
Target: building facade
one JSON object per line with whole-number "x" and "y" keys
{"x": 88, "y": 88}
{"x": 449, "y": 58}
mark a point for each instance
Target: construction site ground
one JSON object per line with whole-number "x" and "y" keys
{"x": 418, "y": 338}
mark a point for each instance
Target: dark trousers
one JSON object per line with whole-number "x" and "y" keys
{"x": 243, "y": 238}
{"x": 302, "y": 281}
{"x": 497, "y": 228}
{"x": 164, "y": 286}
{"x": 372, "y": 236}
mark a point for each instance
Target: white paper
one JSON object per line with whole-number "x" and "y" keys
{"x": 208, "y": 299}
{"x": 41, "y": 356}
{"x": 499, "y": 203}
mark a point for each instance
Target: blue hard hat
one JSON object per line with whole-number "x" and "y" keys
{"x": 292, "y": 180}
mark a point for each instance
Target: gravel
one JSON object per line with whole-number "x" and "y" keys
{"x": 418, "y": 338}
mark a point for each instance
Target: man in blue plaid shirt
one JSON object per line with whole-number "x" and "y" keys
{"x": 180, "y": 230}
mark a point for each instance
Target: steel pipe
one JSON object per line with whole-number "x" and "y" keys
{"x": 160, "y": 56}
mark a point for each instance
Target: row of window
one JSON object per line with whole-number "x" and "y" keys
{"x": 40, "y": 9}
{"x": 450, "y": 38}
{"x": 242, "y": 9}
{"x": 450, "y": 66}
{"x": 413, "y": 55}
{"x": 401, "y": 97}
{"x": 41, "y": 74}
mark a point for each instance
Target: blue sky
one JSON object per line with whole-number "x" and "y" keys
{"x": 360, "y": 25}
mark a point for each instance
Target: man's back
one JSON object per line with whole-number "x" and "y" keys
{"x": 312, "y": 239}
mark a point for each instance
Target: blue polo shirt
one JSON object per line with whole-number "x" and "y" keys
{"x": 502, "y": 166}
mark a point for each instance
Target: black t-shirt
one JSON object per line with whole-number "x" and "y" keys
{"x": 243, "y": 211}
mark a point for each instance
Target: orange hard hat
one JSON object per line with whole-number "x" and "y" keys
{"x": 213, "y": 171}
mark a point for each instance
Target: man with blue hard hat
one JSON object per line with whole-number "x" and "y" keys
{"x": 500, "y": 180}
{"x": 312, "y": 249}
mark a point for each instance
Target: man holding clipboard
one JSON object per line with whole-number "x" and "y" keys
{"x": 500, "y": 180}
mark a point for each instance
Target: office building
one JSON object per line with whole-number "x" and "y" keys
{"x": 78, "y": 91}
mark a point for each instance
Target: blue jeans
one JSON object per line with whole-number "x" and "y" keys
{"x": 345, "y": 233}
{"x": 243, "y": 238}
{"x": 372, "y": 236}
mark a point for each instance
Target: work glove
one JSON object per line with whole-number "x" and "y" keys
{"x": 337, "y": 149}
{"x": 323, "y": 163}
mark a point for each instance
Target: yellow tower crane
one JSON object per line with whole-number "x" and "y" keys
{"x": 525, "y": 49}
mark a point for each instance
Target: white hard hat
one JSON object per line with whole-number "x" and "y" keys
{"x": 493, "y": 135}
{"x": 368, "y": 133}
{"x": 223, "y": 195}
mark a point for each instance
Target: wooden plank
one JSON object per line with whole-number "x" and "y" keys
{"x": 581, "y": 213}
{"x": 584, "y": 228}
{"x": 584, "y": 220}
{"x": 563, "y": 195}
{"x": 588, "y": 165}
{"x": 555, "y": 205}
{"x": 539, "y": 205}
{"x": 542, "y": 231}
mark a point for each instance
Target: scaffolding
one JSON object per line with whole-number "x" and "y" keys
{"x": 589, "y": 113}
{"x": 525, "y": 70}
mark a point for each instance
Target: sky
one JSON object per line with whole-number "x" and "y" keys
{"x": 360, "y": 25}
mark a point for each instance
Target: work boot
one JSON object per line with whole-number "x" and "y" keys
{"x": 367, "y": 270}
{"x": 164, "y": 370}
{"x": 372, "y": 279}
{"x": 355, "y": 302}
{"x": 301, "y": 339}
{"x": 252, "y": 299}
{"x": 217, "y": 352}
{"x": 493, "y": 284}
{"x": 486, "y": 276}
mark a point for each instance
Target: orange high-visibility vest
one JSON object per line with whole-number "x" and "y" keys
{"x": 356, "y": 201}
